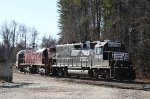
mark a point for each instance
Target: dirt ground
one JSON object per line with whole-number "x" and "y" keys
{"x": 31, "y": 86}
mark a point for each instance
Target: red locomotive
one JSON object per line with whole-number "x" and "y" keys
{"x": 31, "y": 61}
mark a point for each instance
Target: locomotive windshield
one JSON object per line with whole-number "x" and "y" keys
{"x": 114, "y": 47}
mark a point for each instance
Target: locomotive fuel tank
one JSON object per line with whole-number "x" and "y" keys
{"x": 83, "y": 73}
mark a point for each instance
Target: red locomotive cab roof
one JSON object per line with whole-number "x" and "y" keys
{"x": 20, "y": 52}
{"x": 41, "y": 50}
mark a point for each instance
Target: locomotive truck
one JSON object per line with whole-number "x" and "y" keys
{"x": 102, "y": 60}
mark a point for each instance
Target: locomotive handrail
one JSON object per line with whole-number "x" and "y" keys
{"x": 91, "y": 62}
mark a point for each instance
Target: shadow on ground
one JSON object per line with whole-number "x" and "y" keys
{"x": 14, "y": 85}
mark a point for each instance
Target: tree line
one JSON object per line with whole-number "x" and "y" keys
{"x": 126, "y": 21}
{"x": 15, "y": 37}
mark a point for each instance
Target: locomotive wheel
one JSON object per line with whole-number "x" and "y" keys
{"x": 107, "y": 74}
{"x": 96, "y": 74}
{"x": 34, "y": 70}
{"x": 90, "y": 73}
{"x": 54, "y": 73}
{"x": 60, "y": 72}
{"x": 21, "y": 69}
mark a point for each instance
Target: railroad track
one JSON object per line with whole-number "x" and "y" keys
{"x": 113, "y": 84}
{"x": 136, "y": 85}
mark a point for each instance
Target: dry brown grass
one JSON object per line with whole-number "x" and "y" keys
{"x": 144, "y": 80}
{"x": 2, "y": 81}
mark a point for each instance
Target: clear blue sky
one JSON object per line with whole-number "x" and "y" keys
{"x": 41, "y": 14}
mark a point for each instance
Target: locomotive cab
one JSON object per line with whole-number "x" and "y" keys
{"x": 111, "y": 51}
{"x": 113, "y": 60}
{"x": 20, "y": 58}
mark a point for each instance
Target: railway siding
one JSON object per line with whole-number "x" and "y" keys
{"x": 33, "y": 86}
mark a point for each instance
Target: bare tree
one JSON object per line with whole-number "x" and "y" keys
{"x": 23, "y": 32}
{"x": 8, "y": 33}
{"x": 48, "y": 41}
{"x": 13, "y": 33}
{"x": 17, "y": 36}
{"x": 34, "y": 37}
{"x": 6, "y": 36}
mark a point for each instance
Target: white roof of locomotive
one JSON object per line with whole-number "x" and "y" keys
{"x": 63, "y": 45}
{"x": 110, "y": 44}
{"x": 21, "y": 51}
{"x": 40, "y": 50}
{"x": 100, "y": 44}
